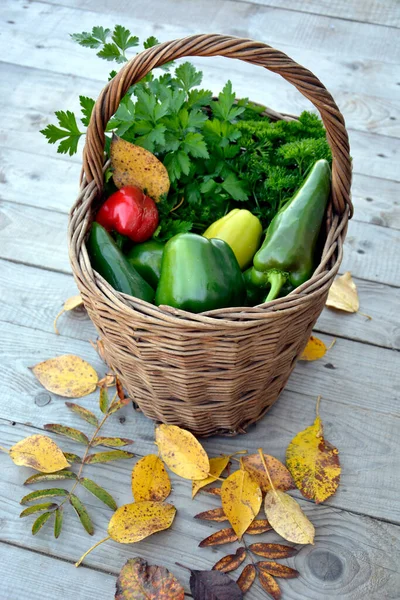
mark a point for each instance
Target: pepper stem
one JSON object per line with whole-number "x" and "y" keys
{"x": 277, "y": 280}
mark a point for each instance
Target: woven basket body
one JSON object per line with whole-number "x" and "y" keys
{"x": 220, "y": 371}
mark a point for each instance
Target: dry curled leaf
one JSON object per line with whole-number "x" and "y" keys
{"x": 224, "y": 536}
{"x": 150, "y": 480}
{"x": 314, "y": 463}
{"x": 272, "y": 550}
{"x": 181, "y": 452}
{"x": 277, "y": 570}
{"x": 279, "y": 474}
{"x": 218, "y": 465}
{"x": 140, "y": 581}
{"x": 215, "y": 514}
{"x": 287, "y": 518}
{"x": 40, "y": 453}
{"x": 343, "y": 294}
{"x": 247, "y": 578}
{"x": 98, "y": 345}
{"x": 136, "y": 521}
{"x": 67, "y": 375}
{"x": 69, "y": 304}
{"x": 134, "y": 165}
{"x": 269, "y": 584}
{"x": 213, "y": 585}
{"x": 231, "y": 562}
{"x": 314, "y": 350}
{"x": 108, "y": 380}
{"x": 241, "y": 500}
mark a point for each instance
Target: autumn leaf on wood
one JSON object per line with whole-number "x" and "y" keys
{"x": 47, "y": 493}
{"x": 215, "y": 514}
{"x": 99, "y": 347}
{"x": 231, "y": 562}
{"x": 213, "y": 585}
{"x": 315, "y": 349}
{"x": 218, "y": 465}
{"x": 69, "y": 432}
{"x": 272, "y": 550}
{"x": 343, "y": 294}
{"x": 279, "y": 474}
{"x": 82, "y": 513}
{"x": 241, "y": 500}
{"x": 99, "y": 492}
{"x": 278, "y": 570}
{"x": 103, "y": 399}
{"x": 58, "y": 476}
{"x": 258, "y": 526}
{"x": 140, "y": 581}
{"x": 72, "y": 458}
{"x": 120, "y": 389}
{"x": 270, "y": 585}
{"x": 150, "y": 480}
{"x": 67, "y": 375}
{"x": 40, "y": 453}
{"x": 69, "y": 304}
{"x": 108, "y": 380}
{"x": 224, "y": 536}
{"x": 58, "y": 522}
{"x": 118, "y": 405}
{"x": 37, "y": 508}
{"x": 136, "y": 521}
{"x": 213, "y": 491}
{"x": 111, "y": 442}
{"x": 181, "y": 452}
{"x": 102, "y": 457}
{"x": 314, "y": 463}
{"x": 84, "y": 413}
{"x": 247, "y": 578}
{"x": 40, "y": 521}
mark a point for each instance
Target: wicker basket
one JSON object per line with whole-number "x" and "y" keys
{"x": 220, "y": 371}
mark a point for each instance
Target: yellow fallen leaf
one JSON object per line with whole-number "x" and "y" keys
{"x": 241, "y": 500}
{"x": 133, "y": 165}
{"x": 69, "y": 304}
{"x": 67, "y": 375}
{"x": 343, "y": 294}
{"x": 286, "y": 517}
{"x": 40, "y": 453}
{"x": 217, "y": 465}
{"x": 134, "y": 522}
{"x": 315, "y": 349}
{"x": 181, "y": 452}
{"x": 280, "y": 476}
{"x": 314, "y": 463}
{"x": 150, "y": 480}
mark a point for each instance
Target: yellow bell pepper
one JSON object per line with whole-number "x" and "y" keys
{"x": 241, "y": 231}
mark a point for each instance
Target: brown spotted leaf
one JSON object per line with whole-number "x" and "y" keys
{"x": 40, "y": 453}
{"x": 231, "y": 562}
{"x": 213, "y": 491}
{"x": 68, "y": 375}
{"x": 120, "y": 389}
{"x": 134, "y": 522}
{"x": 47, "y": 493}
{"x": 69, "y": 432}
{"x": 280, "y": 476}
{"x": 224, "y": 536}
{"x": 270, "y": 585}
{"x": 72, "y": 458}
{"x": 59, "y": 476}
{"x": 213, "y": 585}
{"x": 102, "y": 457}
{"x": 140, "y": 581}
{"x": 278, "y": 570}
{"x": 272, "y": 550}
{"x": 241, "y": 500}
{"x": 181, "y": 452}
{"x": 82, "y": 513}
{"x": 150, "y": 480}
{"x": 118, "y": 405}
{"x": 259, "y": 526}
{"x": 215, "y": 514}
{"x": 247, "y": 578}
{"x": 111, "y": 442}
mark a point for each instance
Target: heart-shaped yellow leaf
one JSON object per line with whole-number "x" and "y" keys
{"x": 68, "y": 375}
{"x": 181, "y": 452}
{"x": 343, "y": 294}
{"x": 241, "y": 500}
{"x": 40, "y": 453}
{"x": 150, "y": 480}
{"x": 134, "y": 522}
{"x": 286, "y": 517}
{"x": 217, "y": 466}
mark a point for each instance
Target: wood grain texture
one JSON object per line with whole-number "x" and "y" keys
{"x": 348, "y": 560}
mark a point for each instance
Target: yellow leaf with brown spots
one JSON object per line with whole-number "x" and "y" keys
{"x": 40, "y": 453}
{"x": 134, "y": 165}
{"x": 343, "y": 294}
{"x": 181, "y": 452}
{"x": 150, "y": 480}
{"x": 241, "y": 500}
{"x": 314, "y": 463}
{"x": 218, "y": 464}
{"x": 67, "y": 375}
{"x": 134, "y": 522}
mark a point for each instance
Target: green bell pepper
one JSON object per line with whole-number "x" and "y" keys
{"x": 241, "y": 231}
{"x": 107, "y": 259}
{"x": 146, "y": 259}
{"x": 198, "y": 274}
{"x": 287, "y": 254}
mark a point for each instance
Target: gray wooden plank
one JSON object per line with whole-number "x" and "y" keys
{"x": 37, "y": 577}
{"x": 350, "y": 558}
{"x": 378, "y": 12}
{"x": 48, "y": 290}
{"x": 371, "y": 251}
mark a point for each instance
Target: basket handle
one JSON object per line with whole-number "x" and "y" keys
{"x": 249, "y": 51}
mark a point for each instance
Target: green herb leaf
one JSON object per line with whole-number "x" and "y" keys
{"x": 235, "y": 188}
{"x": 58, "y": 522}
{"x": 150, "y": 42}
{"x": 123, "y": 39}
{"x": 187, "y": 76}
{"x": 195, "y": 145}
{"x": 99, "y": 492}
{"x": 111, "y": 52}
{"x": 87, "y": 108}
{"x": 199, "y": 98}
{"x": 40, "y": 521}
{"x": 92, "y": 40}
{"x": 59, "y": 476}
{"x": 37, "y": 508}
{"x": 82, "y": 513}
{"x": 84, "y": 413}
{"x": 69, "y": 432}
{"x": 102, "y": 457}
{"x": 68, "y": 132}
{"x": 48, "y": 493}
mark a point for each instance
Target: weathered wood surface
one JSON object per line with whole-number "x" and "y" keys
{"x": 353, "y": 48}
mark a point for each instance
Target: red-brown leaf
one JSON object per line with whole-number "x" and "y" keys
{"x": 278, "y": 570}
{"x": 259, "y": 526}
{"x": 281, "y": 478}
{"x": 231, "y": 562}
{"x": 247, "y": 578}
{"x": 120, "y": 390}
{"x": 224, "y": 536}
{"x": 214, "y": 491}
{"x": 118, "y": 405}
{"x": 272, "y": 550}
{"x": 270, "y": 585}
{"x": 216, "y": 514}
{"x": 137, "y": 579}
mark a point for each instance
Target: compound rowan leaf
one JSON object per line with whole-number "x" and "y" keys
{"x": 231, "y": 562}
{"x": 182, "y": 453}
{"x": 136, "y": 166}
{"x": 213, "y": 585}
{"x": 215, "y": 514}
{"x": 343, "y": 294}
{"x": 72, "y": 458}
{"x": 82, "y": 513}
{"x": 40, "y": 453}
{"x": 314, "y": 350}
{"x": 84, "y": 413}
{"x": 272, "y": 550}
{"x": 140, "y": 581}
{"x": 278, "y": 570}
{"x": 69, "y": 304}
{"x": 314, "y": 463}
{"x": 118, "y": 405}
{"x": 150, "y": 480}
{"x": 103, "y": 399}
{"x": 134, "y": 522}
{"x": 224, "y": 536}
{"x": 59, "y": 476}
{"x": 40, "y": 521}
{"x": 37, "y": 508}
{"x": 218, "y": 465}
{"x": 279, "y": 474}
{"x": 287, "y": 518}
{"x": 47, "y": 493}
{"x": 99, "y": 492}
{"x": 247, "y": 578}
{"x": 241, "y": 500}
{"x": 270, "y": 585}
{"x": 111, "y": 442}
{"x": 68, "y": 375}
{"x": 102, "y": 457}
{"x": 69, "y": 432}
{"x": 58, "y": 522}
